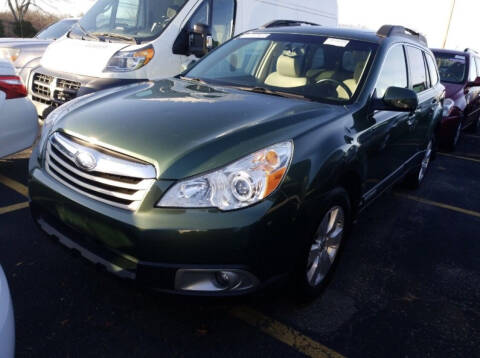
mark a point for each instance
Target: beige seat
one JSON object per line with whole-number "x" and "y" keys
{"x": 288, "y": 75}
{"x": 351, "y": 83}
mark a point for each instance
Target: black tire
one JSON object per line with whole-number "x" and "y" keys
{"x": 413, "y": 179}
{"x": 473, "y": 128}
{"x": 306, "y": 292}
{"x": 451, "y": 145}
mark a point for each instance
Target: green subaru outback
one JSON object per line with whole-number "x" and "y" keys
{"x": 247, "y": 168}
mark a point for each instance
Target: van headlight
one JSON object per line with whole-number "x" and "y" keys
{"x": 126, "y": 61}
{"x": 448, "y": 106}
{"x": 10, "y": 54}
{"x": 238, "y": 185}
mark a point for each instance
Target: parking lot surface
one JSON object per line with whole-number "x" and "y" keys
{"x": 407, "y": 285}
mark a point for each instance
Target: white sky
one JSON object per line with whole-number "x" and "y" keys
{"x": 429, "y": 17}
{"x": 426, "y": 16}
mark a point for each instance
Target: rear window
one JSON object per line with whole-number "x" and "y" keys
{"x": 452, "y": 68}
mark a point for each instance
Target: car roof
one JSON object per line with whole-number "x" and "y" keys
{"x": 340, "y": 32}
{"x": 453, "y": 52}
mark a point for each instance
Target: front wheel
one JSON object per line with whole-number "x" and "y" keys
{"x": 319, "y": 260}
{"x": 473, "y": 128}
{"x": 415, "y": 178}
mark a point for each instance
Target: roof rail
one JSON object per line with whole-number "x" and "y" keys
{"x": 283, "y": 23}
{"x": 470, "y": 50}
{"x": 394, "y": 30}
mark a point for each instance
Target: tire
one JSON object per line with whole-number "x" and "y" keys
{"x": 310, "y": 277}
{"x": 473, "y": 128}
{"x": 452, "y": 143}
{"x": 414, "y": 179}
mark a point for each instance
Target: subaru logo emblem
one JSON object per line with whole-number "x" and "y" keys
{"x": 85, "y": 161}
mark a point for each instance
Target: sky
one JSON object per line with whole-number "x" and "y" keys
{"x": 429, "y": 17}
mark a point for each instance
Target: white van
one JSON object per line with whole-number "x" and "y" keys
{"x": 121, "y": 41}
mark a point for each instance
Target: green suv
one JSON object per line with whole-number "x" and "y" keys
{"x": 247, "y": 168}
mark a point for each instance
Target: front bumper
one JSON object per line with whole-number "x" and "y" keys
{"x": 46, "y": 95}
{"x": 161, "y": 247}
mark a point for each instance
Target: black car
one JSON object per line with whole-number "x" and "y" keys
{"x": 246, "y": 169}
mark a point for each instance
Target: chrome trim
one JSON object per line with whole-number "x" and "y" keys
{"x": 105, "y": 163}
{"x": 108, "y": 191}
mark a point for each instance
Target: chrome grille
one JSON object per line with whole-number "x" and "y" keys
{"x": 53, "y": 91}
{"x": 116, "y": 180}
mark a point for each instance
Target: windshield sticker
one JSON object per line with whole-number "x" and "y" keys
{"x": 336, "y": 42}
{"x": 458, "y": 57}
{"x": 255, "y": 36}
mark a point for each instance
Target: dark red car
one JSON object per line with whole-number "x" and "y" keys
{"x": 460, "y": 74}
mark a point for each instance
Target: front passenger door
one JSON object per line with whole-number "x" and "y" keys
{"x": 385, "y": 139}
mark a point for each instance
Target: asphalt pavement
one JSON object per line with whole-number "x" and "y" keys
{"x": 407, "y": 285}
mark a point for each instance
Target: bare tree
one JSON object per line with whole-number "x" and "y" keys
{"x": 19, "y": 9}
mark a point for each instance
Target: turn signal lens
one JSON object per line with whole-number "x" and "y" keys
{"x": 126, "y": 61}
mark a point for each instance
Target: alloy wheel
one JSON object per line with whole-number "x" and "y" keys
{"x": 325, "y": 246}
{"x": 426, "y": 161}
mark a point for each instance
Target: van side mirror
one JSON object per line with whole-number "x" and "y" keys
{"x": 475, "y": 83}
{"x": 200, "y": 40}
{"x": 398, "y": 99}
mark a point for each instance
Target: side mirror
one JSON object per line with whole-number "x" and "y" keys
{"x": 200, "y": 41}
{"x": 400, "y": 99}
{"x": 475, "y": 83}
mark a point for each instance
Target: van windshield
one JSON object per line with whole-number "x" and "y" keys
{"x": 310, "y": 67}
{"x": 124, "y": 20}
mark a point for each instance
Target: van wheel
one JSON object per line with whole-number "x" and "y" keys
{"x": 320, "y": 257}
{"x": 415, "y": 178}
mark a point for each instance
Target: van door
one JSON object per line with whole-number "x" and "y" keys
{"x": 218, "y": 15}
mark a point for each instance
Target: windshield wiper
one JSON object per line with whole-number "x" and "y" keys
{"x": 264, "y": 90}
{"x": 85, "y": 32}
{"x": 116, "y": 36}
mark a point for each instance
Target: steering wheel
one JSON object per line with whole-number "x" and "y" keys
{"x": 338, "y": 83}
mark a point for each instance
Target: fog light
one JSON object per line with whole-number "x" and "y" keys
{"x": 211, "y": 280}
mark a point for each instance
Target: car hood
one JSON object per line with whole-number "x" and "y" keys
{"x": 185, "y": 128}
{"x": 452, "y": 89}
{"x": 21, "y": 43}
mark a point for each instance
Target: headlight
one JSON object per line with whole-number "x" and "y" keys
{"x": 10, "y": 53}
{"x": 448, "y": 106}
{"x": 125, "y": 61}
{"x": 241, "y": 184}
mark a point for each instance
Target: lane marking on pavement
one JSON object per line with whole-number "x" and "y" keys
{"x": 12, "y": 208}
{"x": 14, "y": 185}
{"x": 460, "y": 157}
{"x": 283, "y": 333}
{"x": 439, "y": 205}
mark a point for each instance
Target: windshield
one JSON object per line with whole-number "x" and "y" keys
{"x": 140, "y": 20}
{"x": 452, "y": 68}
{"x": 56, "y": 30}
{"x": 313, "y": 67}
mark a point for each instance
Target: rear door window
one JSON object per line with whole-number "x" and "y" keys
{"x": 418, "y": 72}
{"x": 394, "y": 71}
{"x": 477, "y": 61}
{"x": 472, "y": 75}
{"x": 432, "y": 67}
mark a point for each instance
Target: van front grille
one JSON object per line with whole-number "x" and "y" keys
{"x": 115, "y": 180}
{"x": 53, "y": 91}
